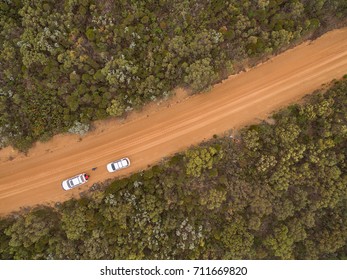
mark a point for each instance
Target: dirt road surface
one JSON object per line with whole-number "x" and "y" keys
{"x": 239, "y": 100}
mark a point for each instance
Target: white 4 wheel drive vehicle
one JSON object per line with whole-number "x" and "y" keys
{"x": 75, "y": 181}
{"x": 118, "y": 164}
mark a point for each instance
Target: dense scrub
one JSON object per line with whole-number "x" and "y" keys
{"x": 64, "y": 63}
{"x": 273, "y": 192}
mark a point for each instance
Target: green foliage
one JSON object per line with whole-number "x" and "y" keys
{"x": 280, "y": 243}
{"x": 79, "y": 128}
{"x": 237, "y": 240}
{"x": 30, "y": 234}
{"x": 116, "y": 109}
{"x": 278, "y": 193}
{"x": 90, "y": 33}
{"x": 74, "y": 58}
{"x": 214, "y": 198}
{"x": 74, "y": 223}
{"x": 120, "y": 72}
{"x": 200, "y": 74}
{"x": 201, "y": 159}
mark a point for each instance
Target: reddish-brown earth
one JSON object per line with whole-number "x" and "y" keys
{"x": 161, "y": 131}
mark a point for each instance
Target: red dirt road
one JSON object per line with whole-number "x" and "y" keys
{"x": 26, "y": 181}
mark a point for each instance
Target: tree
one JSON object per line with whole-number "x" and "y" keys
{"x": 214, "y": 198}
{"x": 75, "y": 223}
{"x": 201, "y": 159}
{"x": 117, "y": 108}
{"x": 79, "y": 128}
{"x": 237, "y": 240}
{"x": 30, "y": 235}
{"x": 200, "y": 74}
{"x": 120, "y": 72}
{"x": 280, "y": 243}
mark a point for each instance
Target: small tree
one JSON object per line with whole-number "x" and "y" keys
{"x": 200, "y": 74}
{"x": 201, "y": 159}
{"x": 116, "y": 109}
{"x": 79, "y": 128}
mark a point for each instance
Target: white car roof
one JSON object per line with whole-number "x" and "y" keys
{"x": 73, "y": 182}
{"x": 118, "y": 164}
{"x": 76, "y": 180}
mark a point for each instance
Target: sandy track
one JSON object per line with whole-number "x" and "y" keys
{"x": 26, "y": 181}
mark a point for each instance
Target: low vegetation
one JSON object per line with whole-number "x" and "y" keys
{"x": 65, "y": 63}
{"x": 275, "y": 191}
